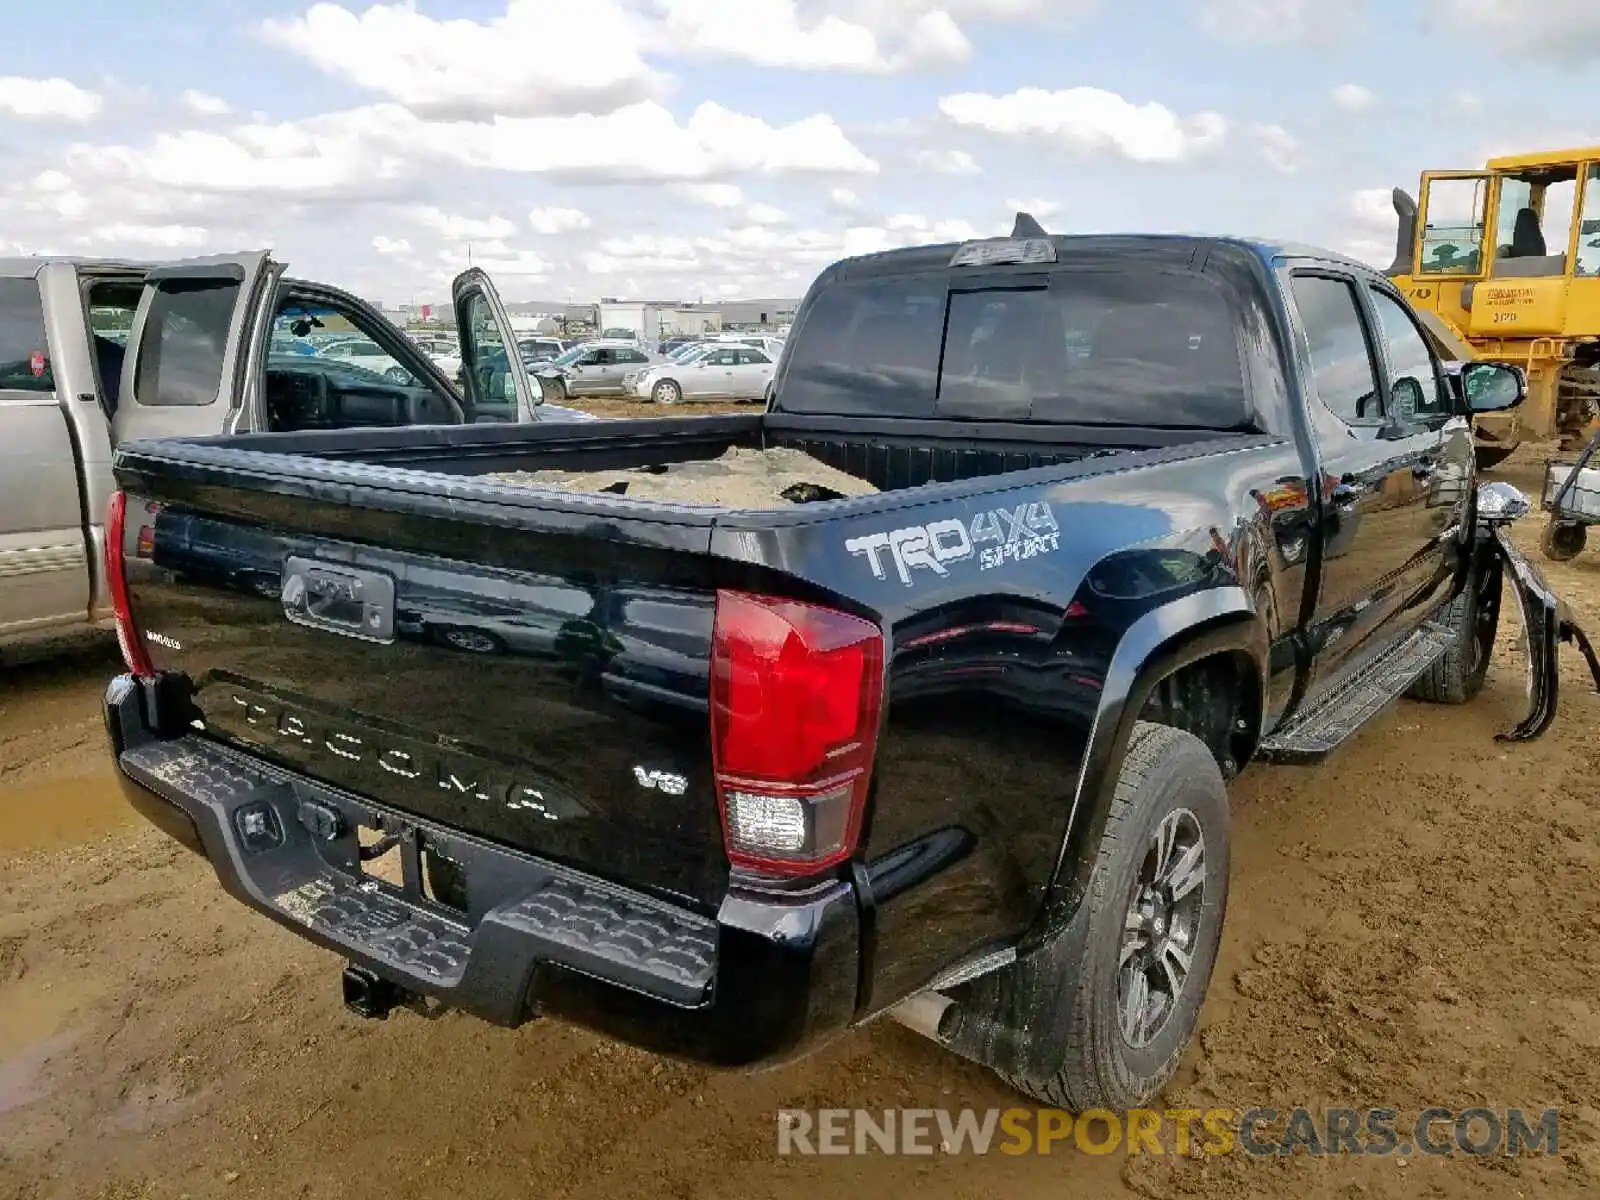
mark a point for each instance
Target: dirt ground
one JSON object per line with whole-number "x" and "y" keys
{"x": 1413, "y": 924}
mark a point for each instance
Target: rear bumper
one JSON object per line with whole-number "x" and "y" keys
{"x": 770, "y": 978}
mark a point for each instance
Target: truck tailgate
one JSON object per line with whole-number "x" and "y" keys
{"x": 547, "y": 691}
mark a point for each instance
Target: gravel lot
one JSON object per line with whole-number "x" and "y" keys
{"x": 1414, "y": 924}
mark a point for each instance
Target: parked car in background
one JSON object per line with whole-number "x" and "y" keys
{"x": 444, "y": 351}
{"x": 535, "y": 350}
{"x": 772, "y": 346}
{"x": 719, "y": 372}
{"x": 368, "y": 355}
{"x": 591, "y": 369}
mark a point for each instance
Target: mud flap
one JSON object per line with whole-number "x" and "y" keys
{"x": 1546, "y": 623}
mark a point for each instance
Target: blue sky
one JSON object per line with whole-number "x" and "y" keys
{"x": 728, "y": 147}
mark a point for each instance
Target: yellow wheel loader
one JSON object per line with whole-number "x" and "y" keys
{"x": 1503, "y": 264}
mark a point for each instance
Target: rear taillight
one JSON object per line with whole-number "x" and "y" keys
{"x": 796, "y": 691}
{"x": 134, "y": 653}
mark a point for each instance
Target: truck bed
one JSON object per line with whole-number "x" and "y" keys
{"x": 892, "y": 455}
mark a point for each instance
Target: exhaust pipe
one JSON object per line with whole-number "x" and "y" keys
{"x": 932, "y": 1014}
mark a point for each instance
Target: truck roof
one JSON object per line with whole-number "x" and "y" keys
{"x": 27, "y": 266}
{"x": 1171, "y": 248}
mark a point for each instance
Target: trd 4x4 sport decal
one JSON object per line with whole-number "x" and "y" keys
{"x": 994, "y": 537}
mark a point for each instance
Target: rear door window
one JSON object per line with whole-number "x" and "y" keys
{"x": 1101, "y": 347}
{"x": 24, "y": 356}
{"x": 184, "y": 342}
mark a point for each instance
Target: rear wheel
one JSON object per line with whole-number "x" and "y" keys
{"x": 1563, "y": 542}
{"x": 1155, "y": 903}
{"x": 1472, "y": 617}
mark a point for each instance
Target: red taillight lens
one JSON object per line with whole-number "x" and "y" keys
{"x": 796, "y": 690}
{"x": 134, "y": 653}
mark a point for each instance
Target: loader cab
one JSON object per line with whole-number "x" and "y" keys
{"x": 1512, "y": 251}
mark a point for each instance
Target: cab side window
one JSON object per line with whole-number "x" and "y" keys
{"x": 1417, "y": 392}
{"x": 1341, "y": 362}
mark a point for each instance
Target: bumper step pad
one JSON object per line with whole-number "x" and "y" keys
{"x": 540, "y": 912}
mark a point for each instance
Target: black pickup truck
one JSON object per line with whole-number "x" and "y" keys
{"x": 726, "y": 783}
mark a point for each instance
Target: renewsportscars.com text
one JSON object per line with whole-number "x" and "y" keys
{"x": 1257, "y": 1132}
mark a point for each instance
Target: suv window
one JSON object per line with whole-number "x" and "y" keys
{"x": 1127, "y": 346}
{"x": 632, "y": 356}
{"x": 1341, "y": 363}
{"x": 753, "y": 358}
{"x": 24, "y": 357}
{"x": 184, "y": 340}
{"x": 1414, "y": 383}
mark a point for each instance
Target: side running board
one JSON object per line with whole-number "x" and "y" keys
{"x": 1310, "y": 736}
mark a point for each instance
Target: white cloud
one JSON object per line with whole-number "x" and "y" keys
{"x": 558, "y": 220}
{"x": 844, "y": 199}
{"x": 778, "y": 33}
{"x": 372, "y": 152}
{"x": 166, "y": 237}
{"x": 765, "y": 214}
{"x": 388, "y": 245}
{"x": 1279, "y": 22}
{"x": 750, "y": 252}
{"x": 1090, "y": 121}
{"x": 1352, "y": 97}
{"x": 540, "y": 57}
{"x": 500, "y": 260}
{"x": 945, "y": 162}
{"x": 47, "y": 99}
{"x": 718, "y": 195}
{"x": 456, "y": 228}
{"x": 1278, "y": 146}
{"x": 1373, "y": 208}
{"x": 1566, "y": 30}
{"x": 202, "y": 104}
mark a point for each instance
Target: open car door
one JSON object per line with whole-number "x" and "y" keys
{"x": 497, "y": 385}
{"x": 186, "y": 361}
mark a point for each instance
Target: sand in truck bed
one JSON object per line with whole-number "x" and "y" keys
{"x": 740, "y": 478}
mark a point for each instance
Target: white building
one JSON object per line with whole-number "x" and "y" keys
{"x": 650, "y": 321}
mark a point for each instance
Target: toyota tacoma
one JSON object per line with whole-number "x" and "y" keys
{"x": 727, "y": 783}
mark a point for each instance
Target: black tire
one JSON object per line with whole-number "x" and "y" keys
{"x": 1167, "y": 775}
{"x": 666, "y": 391}
{"x": 1473, "y": 617}
{"x": 555, "y": 390}
{"x": 1490, "y": 457}
{"x": 1563, "y": 542}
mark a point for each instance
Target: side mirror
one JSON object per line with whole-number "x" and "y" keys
{"x": 1493, "y": 387}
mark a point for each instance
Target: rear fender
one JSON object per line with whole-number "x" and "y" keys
{"x": 1161, "y": 642}
{"x": 1021, "y": 1016}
